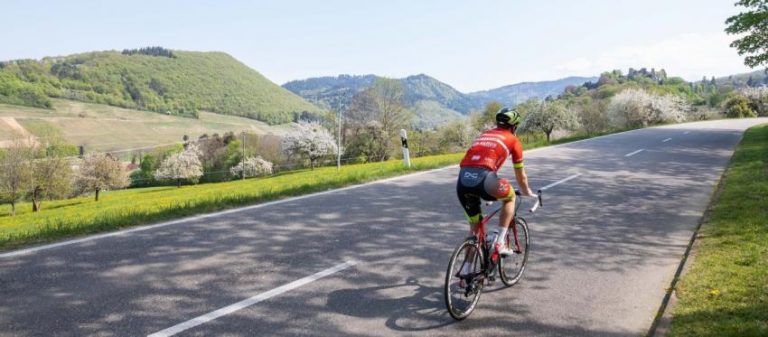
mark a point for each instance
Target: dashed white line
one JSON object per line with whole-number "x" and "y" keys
{"x": 250, "y": 301}
{"x": 687, "y": 132}
{"x": 666, "y": 140}
{"x": 633, "y": 153}
{"x": 559, "y": 182}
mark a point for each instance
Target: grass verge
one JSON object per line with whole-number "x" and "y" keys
{"x": 725, "y": 291}
{"x": 118, "y": 209}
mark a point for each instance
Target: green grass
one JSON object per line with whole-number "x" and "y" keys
{"x": 725, "y": 291}
{"x": 124, "y": 208}
{"x": 140, "y": 206}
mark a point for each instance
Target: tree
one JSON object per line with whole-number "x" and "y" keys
{"x": 486, "y": 119}
{"x": 254, "y": 167}
{"x": 15, "y": 175}
{"x": 738, "y": 107}
{"x": 101, "y": 172}
{"x": 549, "y": 116}
{"x": 751, "y": 26}
{"x": 184, "y": 165}
{"x": 592, "y": 115}
{"x": 639, "y": 108}
{"x": 369, "y": 143}
{"x": 51, "y": 179}
{"x": 311, "y": 141}
{"x": 758, "y": 98}
{"x": 383, "y": 104}
{"x": 456, "y": 135}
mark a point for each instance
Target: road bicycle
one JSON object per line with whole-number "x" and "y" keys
{"x": 463, "y": 286}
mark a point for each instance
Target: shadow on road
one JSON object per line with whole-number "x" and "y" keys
{"x": 620, "y": 219}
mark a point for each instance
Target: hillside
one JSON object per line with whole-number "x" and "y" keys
{"x": 105, "y": 128}
{"x": 433, "y": 102}
{"x": 517, "y": 93}
{"x": 152, "y": 79}
{"x": 752, "y": 79}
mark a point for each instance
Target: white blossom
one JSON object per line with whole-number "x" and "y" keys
{"x": 637, "y": 107}
{"x": 254, "y": 167}
{"x": 181, "y": 166}
{"x": 311, "y": 140}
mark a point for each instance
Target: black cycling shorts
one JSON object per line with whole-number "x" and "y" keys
{"x": 476, "y": 183}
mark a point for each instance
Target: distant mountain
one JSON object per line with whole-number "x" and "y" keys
{"x": 434, "y": 102}
{"x": 520, "y": 92}
{"x": 752, "y": 79}
{"x": 152, "y": 79}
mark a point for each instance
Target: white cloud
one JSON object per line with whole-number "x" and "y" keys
{"x": 690, "y": 56}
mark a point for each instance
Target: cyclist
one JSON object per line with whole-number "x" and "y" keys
{"x": 478, "y": 178}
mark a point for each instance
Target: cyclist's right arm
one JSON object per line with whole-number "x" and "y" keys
{"x": 517, "y": 164}
{"x": 522, "y": 181}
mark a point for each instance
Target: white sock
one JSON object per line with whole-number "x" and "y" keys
{"x": 502, "y": 237}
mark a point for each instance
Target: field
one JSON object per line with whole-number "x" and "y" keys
{"x": 106, "y": 128}
{"x": 725, "y": 291}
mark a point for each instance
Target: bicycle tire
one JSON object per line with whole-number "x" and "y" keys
{"x": 511, "y": 268}
{"x": 451, "y": 279}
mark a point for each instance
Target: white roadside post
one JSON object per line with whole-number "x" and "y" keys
{"x": 406, "y": 154}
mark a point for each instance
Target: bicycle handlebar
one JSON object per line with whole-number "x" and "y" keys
{"x": 535, "y": 206}
{"x": 538, "y": 202}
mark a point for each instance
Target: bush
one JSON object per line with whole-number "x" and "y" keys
{"x": 738, "y": 106}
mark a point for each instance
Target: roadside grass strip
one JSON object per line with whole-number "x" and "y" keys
{"x": 125, "y": 208}
{"x": 725, "y": 291}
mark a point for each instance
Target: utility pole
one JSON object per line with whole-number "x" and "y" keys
{"x": 338, "y": 145}
{"x": 242, "y": 155}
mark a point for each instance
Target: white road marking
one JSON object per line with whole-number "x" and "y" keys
{"x": 687, "y": 132}
{"x": 250, "y": 301}
{"x": 666, "y": 140}
{"x": 633, "y": 153}
{"x": 559, "y": 182}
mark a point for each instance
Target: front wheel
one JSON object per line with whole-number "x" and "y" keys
{"x": 511, "y": 267}
{"x": 464, "y": 279}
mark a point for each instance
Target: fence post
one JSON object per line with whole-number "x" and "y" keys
{"x": 406, "y": 154}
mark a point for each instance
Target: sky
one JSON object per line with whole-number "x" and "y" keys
{"x": 471, "y": 45}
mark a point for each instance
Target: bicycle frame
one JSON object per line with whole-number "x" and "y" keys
{"x": 480, "y": 231}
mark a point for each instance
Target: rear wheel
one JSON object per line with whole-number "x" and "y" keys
{"x": 463, "y": 285}
{"x": 511, "y": 267}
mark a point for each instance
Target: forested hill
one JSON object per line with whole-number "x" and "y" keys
{"x": 433, "y": 102}
{"x": 153, "y": 79}
{"x": 520, "y": 92}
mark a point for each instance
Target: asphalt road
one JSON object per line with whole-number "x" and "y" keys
{"x": 604, "y": 248}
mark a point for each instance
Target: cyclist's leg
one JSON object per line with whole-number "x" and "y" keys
{"x": 500, "y": 189}
{"x": 470, "y": 201}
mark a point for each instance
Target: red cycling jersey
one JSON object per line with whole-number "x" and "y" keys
{"x": 491, "y": 148}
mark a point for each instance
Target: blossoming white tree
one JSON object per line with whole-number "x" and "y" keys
{"x": 637, "y": 107}
{"x": 254, "y": 167}
{"x": 548, "y": 116}
{"x": 311, "y": 141}
{"x": 181, "y": 166}
{"x": 101, "y": 172}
